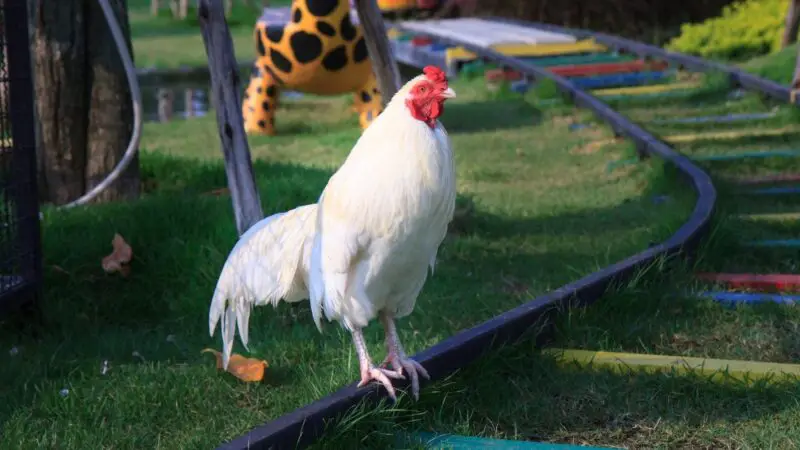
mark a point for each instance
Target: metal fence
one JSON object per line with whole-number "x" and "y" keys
{"x": 20, "y": 242}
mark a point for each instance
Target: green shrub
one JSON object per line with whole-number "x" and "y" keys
{"x": 745, "y": 29}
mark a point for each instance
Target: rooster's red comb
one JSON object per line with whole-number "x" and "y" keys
{"x": 435, "y": 74}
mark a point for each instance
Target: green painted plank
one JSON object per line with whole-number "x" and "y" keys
{"x": 456, "y": 442}
{"x": 568, "y": 60}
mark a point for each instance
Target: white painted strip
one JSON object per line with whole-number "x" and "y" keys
{"x": 485, "y": 33}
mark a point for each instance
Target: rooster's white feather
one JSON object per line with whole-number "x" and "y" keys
{"x": 268, "y": 264}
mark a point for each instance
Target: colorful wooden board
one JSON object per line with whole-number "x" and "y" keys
{"x": 628, "y": 67}
{"x": 715, "y": 369}
{"x": 485, "y": 33}
{"x": 456, "y": 442}
{"x": 727, "y": 118}
{"x": 566, "y": 60}
{"x": 517, "y": 50}
{"x": 738, "y": 134}
{"x": 790, "y": 153}
{"x": 640, "y": 90}
{"x": 777, "y": 190}
{"x": 739, "y": 298}
{"x": 766, "y": 179}
{"x": 771, "y": 281}
{"x": 622, "y": 79}
{"x": 783, "y": 153}
{"x": 774, "y": 243}
{"x": 777, "y": 217}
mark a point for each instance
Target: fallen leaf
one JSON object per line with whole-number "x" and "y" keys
{"x": 217, "y": 192}
{"x": 119, "y": 258}
{"x": 245, "y": 369}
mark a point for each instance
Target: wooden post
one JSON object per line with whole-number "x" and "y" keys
{"x": 795, "y": 86}
{"x": 792, "y": 24}
{"x": 380, "y": 53}
{"x": 226, "y": 90}
{"x": 183, "y": 9}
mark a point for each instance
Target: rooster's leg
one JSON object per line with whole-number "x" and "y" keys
{"x": 369, "y": 371}
{"x": 397, "y": 356}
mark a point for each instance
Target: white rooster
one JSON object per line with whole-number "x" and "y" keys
{"x": 364, "y": 249}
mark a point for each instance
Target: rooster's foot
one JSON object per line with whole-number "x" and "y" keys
{"x": 382, "y": 376}
{"x": 402, "y": 363}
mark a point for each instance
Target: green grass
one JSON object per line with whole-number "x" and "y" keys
{"x": 165, "y": 43}
{"x": 778, "y": 66}
{"x": 545, "y": 214}
{"x": 521, "y": 394}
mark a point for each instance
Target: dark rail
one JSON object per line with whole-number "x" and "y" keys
{"x": 304, "y": 425}
{"x": 20, "y": 245}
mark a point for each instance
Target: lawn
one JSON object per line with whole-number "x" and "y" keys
{"x": 522, "y": 394}
{"x": 545, "y": 213}
{"x": 166, "y": 43}
{"x": 119, "y": 364}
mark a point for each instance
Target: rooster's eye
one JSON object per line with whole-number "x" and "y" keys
{"x": 422, "y": 89}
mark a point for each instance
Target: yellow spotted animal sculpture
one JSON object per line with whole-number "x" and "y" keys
{"x": 319, "y": 51}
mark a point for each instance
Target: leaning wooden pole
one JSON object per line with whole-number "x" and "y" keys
{"x": 225, "y": 89}
{"x": 383, "y": 63}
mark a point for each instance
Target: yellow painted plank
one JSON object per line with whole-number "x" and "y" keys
{"x": 649, "y": 89}
{"x": 724, "y": 135}
{"x": 771, "y": 216}
{"x": 714, "y": 368}
{"x": 521, "y": 50}
{"x": 393, "y": 33}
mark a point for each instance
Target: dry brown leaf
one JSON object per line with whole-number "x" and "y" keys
{"x": 245, "y": 369}
{"x": 217, "y": 192}
{"x": 119, "y": 258}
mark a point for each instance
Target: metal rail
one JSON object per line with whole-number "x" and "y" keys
{"x": 737, "y": 77}
{"x": 302, "y": 426}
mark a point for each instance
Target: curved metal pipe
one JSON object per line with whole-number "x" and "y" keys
{"x": 136, "y": 97}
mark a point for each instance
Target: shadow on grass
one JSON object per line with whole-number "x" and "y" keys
{"x": 151, "y": 324}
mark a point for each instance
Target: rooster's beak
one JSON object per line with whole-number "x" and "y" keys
{"x": 448, "y": 93}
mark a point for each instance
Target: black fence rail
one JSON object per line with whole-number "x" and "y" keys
{"x": 20, "y": 241}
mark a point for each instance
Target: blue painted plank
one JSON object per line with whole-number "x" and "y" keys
{"x": 617, "y": 80}
{"x": 775, "y": 190}
{"x": 726, "y": 118}
{"x": 728, "y": 157}
{"x": 787, "y": 243}
{"x": 456, "y": 442}
{"x": 734, "y": 298}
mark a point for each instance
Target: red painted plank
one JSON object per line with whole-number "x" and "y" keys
{"x": 608, "y": 68}
{"x": 419, "y": 41}
{"x": 767, "y": 282}
{"x": 500, "y": 74}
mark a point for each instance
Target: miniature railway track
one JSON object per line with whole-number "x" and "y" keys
{"x": 587, "y": 68}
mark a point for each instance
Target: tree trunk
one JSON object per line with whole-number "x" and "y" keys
{"x": 792, "y": 24}
{"x": 155, "y": 5}
{"x": 59, "y": 55}
{"x": 383, "y": 63}
{"x": 82, "y": 99}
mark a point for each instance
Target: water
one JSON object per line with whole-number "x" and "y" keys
{"x": 174, "y": 101}
{"x": 181, "y": 95}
